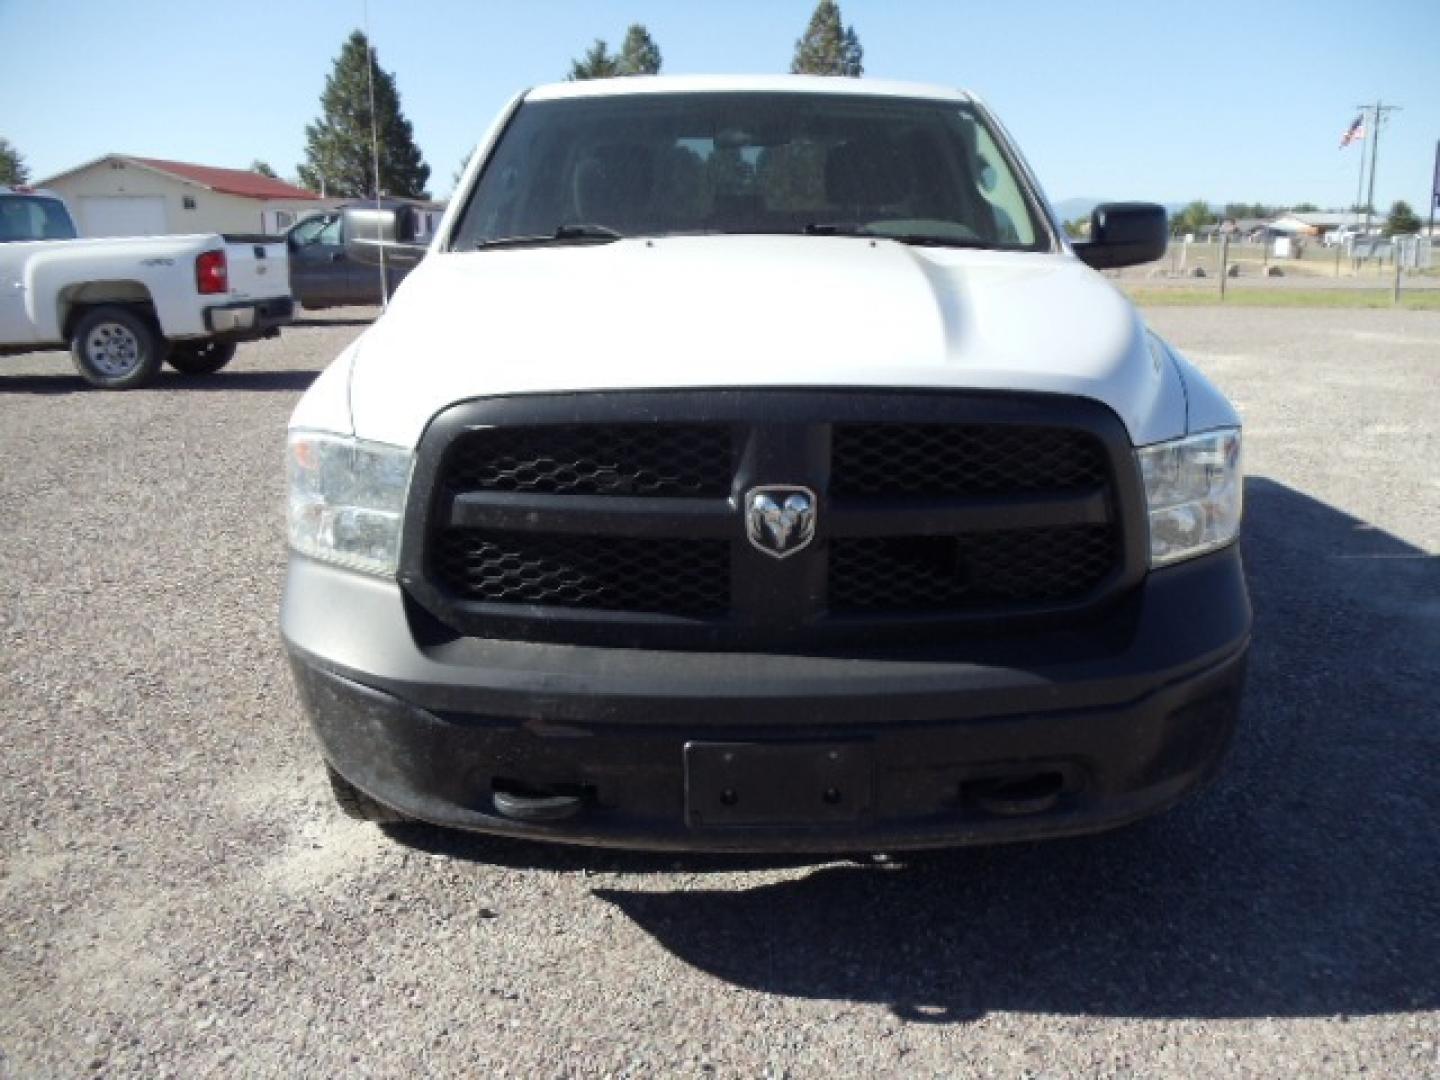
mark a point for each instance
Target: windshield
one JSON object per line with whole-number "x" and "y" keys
{"x": 32, "y": 217}
{"x": 658, "y": 164}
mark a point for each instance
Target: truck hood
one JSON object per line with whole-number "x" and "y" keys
{"x": 754, "y": 311}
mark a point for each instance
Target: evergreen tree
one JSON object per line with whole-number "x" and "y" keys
{"x": 597, "y": 63}
{"x": 264, "y": 169}
{"x": 338, "y": 146}
{"x": 1402, "y": 220}
{"x": 13, "y": 169}
{"x": 1193, "y": 218}
{"x": 829, "y": 47}
{"x": 1248, "y": 210}
{"x": 639, "y": 55}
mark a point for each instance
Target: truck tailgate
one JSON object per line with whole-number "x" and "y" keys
{"x": 259, "y": 267}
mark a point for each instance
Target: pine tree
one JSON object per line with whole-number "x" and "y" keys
{"x": 1194, "y": 217}
{"x": 829, "y": 47}
{"x": 1402, "y": 220}
{"x": 13, "y": 170}
{"x": 597, "y": 63}
{"x": 338, "y": 146}
{"x": 639, "y": 55}
{"x": 264, "y": 169}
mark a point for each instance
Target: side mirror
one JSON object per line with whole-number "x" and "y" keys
{"x": 1125, "y": 234}
{"x": 372, "y": 236}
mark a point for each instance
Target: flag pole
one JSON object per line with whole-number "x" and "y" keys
{"x": 1360, "y": 184}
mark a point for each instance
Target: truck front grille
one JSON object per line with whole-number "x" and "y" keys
{"x": 663, "y": 460}
{"x": 619, "y": 518}
{"x": 936, "y": 573}
{"x": 615, "y": 573}
{"x": 957, "y": 459}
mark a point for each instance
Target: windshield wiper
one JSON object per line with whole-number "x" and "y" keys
{"x": 568, "y": 233}
{"x": 858, "y": 228}
{"x": 837, "y": 228}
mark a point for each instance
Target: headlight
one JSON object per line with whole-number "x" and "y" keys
{"x": 1193, "y": 487}
{"x": 347, "y": 498}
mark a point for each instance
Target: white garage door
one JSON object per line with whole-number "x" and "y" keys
{"x": 122, "y": 215}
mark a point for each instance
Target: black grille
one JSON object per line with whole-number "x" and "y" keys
{"x": 616, "y": 459}
{"x": 962, "y": 459}
{"x": 619, "y": 518}
{"x": 669, "y": 576}
{"x": 981, "y": 570}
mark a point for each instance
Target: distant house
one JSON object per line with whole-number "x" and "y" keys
{"x": 122, "y": 195}
{"x": 1319, "y": 223}
{"x": 1241, "y": 228}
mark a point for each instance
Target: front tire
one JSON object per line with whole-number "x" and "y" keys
{"x": 116, "y": 349}
{"x": 201, "y": 357}
{"x": 354, "y": 803}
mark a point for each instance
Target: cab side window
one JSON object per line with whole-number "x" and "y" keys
{"x": 999, "y": 188}
{"x": 320, "y": 230}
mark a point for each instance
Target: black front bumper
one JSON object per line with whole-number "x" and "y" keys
{"x": 1121, "y": 718}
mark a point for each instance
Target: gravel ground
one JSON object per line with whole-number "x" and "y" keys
{"x": 178, "y": 897}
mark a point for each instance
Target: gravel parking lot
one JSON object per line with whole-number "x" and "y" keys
{"x": 179, "y": 898}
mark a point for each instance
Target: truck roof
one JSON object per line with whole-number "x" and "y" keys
{"x": 23, "y": 189}
{"x": 693, "y": 84}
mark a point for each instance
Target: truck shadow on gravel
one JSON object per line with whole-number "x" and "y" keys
{"x": 1305, "y": 883}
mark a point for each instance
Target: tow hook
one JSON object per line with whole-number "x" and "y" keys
{"x": 1016, "y": 796}
{"x": 521, "y": 804}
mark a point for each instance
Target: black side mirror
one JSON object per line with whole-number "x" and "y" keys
{"x": 372, "y": 235}
{"x": 1124, "y": 234}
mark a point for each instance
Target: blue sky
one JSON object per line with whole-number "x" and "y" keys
{"x": 1157, "y": 100}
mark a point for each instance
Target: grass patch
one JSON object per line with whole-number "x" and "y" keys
{"x": 1426, "y": 300}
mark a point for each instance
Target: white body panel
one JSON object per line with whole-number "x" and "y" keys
{"x": 42, "y": 280}
{"x": 753, "y": 311}
{"x": 258, "y": 269}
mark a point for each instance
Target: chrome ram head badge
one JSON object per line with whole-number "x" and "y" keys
{"x": 780, "y": 520}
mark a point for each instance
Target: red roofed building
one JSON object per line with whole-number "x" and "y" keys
{"x": 123, "y": 195}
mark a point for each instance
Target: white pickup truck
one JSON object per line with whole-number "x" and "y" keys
{"x": 752, "y": 464}
{"x": 126, "y": 306}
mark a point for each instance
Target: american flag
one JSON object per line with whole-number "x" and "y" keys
{"x": 1356, "y": 130}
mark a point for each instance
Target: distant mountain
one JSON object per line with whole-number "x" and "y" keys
{"x": 1070, "y": 209}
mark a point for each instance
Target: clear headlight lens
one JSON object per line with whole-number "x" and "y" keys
{"x": 1194, "y": 490}
{"x": 347, "y": 499}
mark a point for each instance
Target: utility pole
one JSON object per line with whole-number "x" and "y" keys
{"x": 1378, "y": 112}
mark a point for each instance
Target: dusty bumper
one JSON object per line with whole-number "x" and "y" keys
{"x": 250, "y": 319}
{"x": 1130, "y": 715}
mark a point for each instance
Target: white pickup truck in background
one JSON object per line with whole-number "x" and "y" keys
{"x": 125, "y": 306}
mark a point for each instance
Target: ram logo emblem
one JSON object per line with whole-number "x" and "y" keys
{"x": 780, "y": 520}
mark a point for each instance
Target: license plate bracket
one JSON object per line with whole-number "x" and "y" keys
{"x": 757, "y": 784}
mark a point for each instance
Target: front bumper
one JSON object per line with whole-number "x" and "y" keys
{"x": 1129, "y": 713}
{"x": 250, "y": 319}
